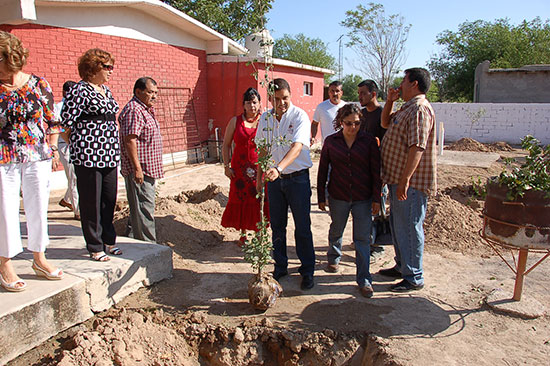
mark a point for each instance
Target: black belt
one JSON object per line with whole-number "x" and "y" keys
{"x": 97, "y": 117}
{"x": 295, "y": 174}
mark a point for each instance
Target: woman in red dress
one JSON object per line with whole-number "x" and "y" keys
{"x": 243, "y": 208}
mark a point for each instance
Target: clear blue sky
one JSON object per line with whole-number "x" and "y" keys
{"x": 321, "y": 19}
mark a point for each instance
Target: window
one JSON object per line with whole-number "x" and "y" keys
{"x": 308, "y": 88}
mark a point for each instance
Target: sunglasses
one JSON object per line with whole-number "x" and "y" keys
{"x": 108, "y": 67}
{"x": 349, "y": 124}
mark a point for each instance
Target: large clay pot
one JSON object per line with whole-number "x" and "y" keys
{"x": 263, "y": 291}
{"x": 523, "y": 223}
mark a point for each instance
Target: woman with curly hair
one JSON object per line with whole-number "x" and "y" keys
{"x": 89, "y": 113}
{"x": 28, "y": 142}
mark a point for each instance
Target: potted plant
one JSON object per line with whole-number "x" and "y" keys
{"x": 517, "y": 206}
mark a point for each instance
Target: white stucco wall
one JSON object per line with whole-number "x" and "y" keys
{"x": 118, "y": 21}
{"x": 507, "y": 122}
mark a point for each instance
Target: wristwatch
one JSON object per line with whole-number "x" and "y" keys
{"x": 279, "y": 169}
{"x": 53, "y": 147}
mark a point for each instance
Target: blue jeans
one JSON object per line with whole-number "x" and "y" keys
{"x": 406, "y": 220}
{"x": 295, "y": 193}
{"x": 361, "y": 213}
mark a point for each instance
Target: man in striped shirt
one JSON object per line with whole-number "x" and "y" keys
{"x": 141, "y": 158}
{"x": 409, "y": 169}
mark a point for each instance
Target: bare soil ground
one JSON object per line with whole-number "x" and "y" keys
{"x": 202, "y": 317}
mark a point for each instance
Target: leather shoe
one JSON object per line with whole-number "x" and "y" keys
{"x": 332, "y": 268}
{"x": 278, "y": 274}
{"x": 307, "y": 282}
{"x": 405, "y": 286}
{"x": 366, "y": 291}
{"x": 66, "y": 204}
{"x": 390, "y": 272}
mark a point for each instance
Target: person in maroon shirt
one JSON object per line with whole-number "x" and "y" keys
{"x": 354, "y": 185}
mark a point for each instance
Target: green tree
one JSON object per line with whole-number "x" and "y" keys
{"x": 349, "y": 86}
{"x": 503, "y": 44}
{"x": 432, "y": 94}
{"x": 305, "y": 50}
{"x": 233, "y": 18}
{"x": 378, "y": 40}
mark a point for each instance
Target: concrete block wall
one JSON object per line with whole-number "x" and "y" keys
{"x": 54, "y": 52}
{"x": 508, "y": 122}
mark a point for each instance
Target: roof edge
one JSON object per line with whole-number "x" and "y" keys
{"x": 275, "y": 61}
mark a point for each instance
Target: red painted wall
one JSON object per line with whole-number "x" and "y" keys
{"x": 54, "y": 53}
{"x": 227, "y": 81}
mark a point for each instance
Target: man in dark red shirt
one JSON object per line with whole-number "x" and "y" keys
{"x": 141, "y": 161}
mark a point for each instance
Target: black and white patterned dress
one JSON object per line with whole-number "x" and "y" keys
{"x": 94, "y": 141}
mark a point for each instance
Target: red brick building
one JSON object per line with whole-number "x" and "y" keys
{"x": 201, "y": 73}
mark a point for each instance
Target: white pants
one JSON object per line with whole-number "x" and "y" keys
{"x": 33, "y": 179}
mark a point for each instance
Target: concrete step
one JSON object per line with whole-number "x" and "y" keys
{"x": 46, "y": 308}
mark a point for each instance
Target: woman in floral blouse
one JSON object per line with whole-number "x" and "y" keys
{"x": 27, "y": 125}
{"x": 89, "y": 113}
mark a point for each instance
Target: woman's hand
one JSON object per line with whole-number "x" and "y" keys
{"x": 55, "y": 159}
{"x": 322, "y": 206}
{"x": 229, "y": 173}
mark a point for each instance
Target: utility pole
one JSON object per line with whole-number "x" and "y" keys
{"x": 340, "y": 56}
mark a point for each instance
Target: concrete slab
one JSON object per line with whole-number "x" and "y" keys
{"x": 528, "y": 308}
{"x": 46, "y": 308}
{"x": 467, "y": 158}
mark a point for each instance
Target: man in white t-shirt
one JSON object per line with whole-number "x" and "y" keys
{"x": 325, "y": 113}
{"x": 287, "y": 128}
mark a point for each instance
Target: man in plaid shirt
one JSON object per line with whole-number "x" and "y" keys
{"x": 409, "y": 169}
{"x": 141, "y": 158}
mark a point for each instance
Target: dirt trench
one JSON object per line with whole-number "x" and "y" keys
{"x": 124, "y": 337}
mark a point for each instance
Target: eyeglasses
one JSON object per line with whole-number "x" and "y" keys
{"x": 349, "y": 124}
{"x": 108, "y": 67}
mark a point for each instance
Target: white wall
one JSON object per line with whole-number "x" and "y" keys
{"x": 507, "y": 122}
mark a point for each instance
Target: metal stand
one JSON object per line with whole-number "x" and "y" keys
{"x": 520, "y": 265}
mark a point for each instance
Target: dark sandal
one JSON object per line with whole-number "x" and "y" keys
{"x": 115, "y": 251}
{"x": 100, "y": 257}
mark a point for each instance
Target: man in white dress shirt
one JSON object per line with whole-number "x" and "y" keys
{"x": 287, "y": 128}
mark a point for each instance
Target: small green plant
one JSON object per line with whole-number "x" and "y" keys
{"x": 257, "y": 248}
{"x": 534, "y": 174}
{"x": 475, "y": 117}
{"x": 479, "y": 188}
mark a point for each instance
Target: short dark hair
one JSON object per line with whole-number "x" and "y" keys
{"x": 279, "y": 84}
{"x": 250, "y": 94}
{"x": 370, "y": 84}
{"x": 67, "y": 85}
{"x": 343, "y": 112}
{"x": 422, "y": 76}
{"x": 335, "y": 83}
{"x": 141, "y": 83}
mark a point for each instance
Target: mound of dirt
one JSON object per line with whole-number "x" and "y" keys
{"x": 499, "y": 146}
{"x": 453, "y": 221}
{"x": 468, "y": 144}
{"x": 142, "y": 338}
{"x": 188, "y": 220}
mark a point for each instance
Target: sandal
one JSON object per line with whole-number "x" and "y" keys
{"x": 12, "y": 286}
{"x": 114, "y": 250}
{"x": 100, "y": 257}
{"x": 41, "y": 272}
